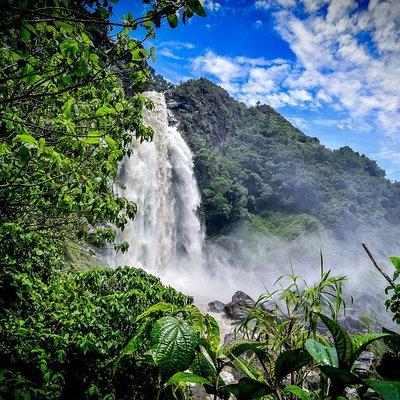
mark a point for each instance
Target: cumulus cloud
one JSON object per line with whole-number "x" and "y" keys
{"x": 221, "y": 67}
{"x": 348, "y": 56}
{"x": 346, "y": 59}
{"x": 252, "y": 80}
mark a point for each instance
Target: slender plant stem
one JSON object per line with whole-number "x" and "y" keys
{"x": 385, "y": 275}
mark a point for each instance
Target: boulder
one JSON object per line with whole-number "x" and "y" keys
{"x": 363, "y": 364}
{"x": 216, "y": 306}
{"x": 240, "y": 306}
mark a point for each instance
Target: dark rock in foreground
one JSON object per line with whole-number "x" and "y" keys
{"x": 240, "y": 306}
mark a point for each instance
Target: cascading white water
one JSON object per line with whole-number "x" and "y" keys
{"x": 166, "y": 234}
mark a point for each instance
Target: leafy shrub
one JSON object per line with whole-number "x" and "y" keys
{"x": 65, "y": 339}
{"x": 393, "y": 304}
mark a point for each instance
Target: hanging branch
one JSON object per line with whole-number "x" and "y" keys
{"x": 385, "y": 275}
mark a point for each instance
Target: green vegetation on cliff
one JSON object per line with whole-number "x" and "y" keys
{"x": 252, "y": 160}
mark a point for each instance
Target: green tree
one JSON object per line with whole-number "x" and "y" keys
{"x": 70, "y": 105}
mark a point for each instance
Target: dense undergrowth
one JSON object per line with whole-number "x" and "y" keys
{"x": 60, "y": 340}
{"x": 278, "y": 346}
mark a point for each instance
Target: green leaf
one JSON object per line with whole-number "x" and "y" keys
{"x": 249, "y": 370}
{"x": 248, "y": 389}
{"x": 213, "y": 335}
{"x": 188, "y": 377}
{"x": 339, "y": 374}
{"x": 136, "y": 341}
{"x": 104, "y": 110}
{"x": 25, "y": 34}
{"x": 111, "y": 142}
{"x": 139, "y": 54}
{"x": 392, "y": 341}
{"x": 172, "y": 20}
{"x": 396, "y": 262}
{"x": 174, "y": 344}
{"x": 343, "y": 343}
{"x": 361, "y": 341}
{"x": 25, "y": 139}
{"x": 161, "y": 306}
{"x": 202, "y": 366}
{"x": 389, "y": 390}
{"x": 91, "y": 140}
{"x": 323, "y": 355}
{"x": 290, "y": 361}
{"x": 196, "y": 7}
{"x": 297, "y": 391}
{"x": 238, "y": 347}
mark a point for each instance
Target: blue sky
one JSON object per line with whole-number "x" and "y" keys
{"x": 332, "y": 67}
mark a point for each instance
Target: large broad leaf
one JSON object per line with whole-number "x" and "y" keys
{"x": 392, "y": 341}
{"x": 238, "y": 347}
{"x": 290, "y": 361}
{"x": 196, "y": 7}
{"x": 202, "y": 366}
{"x": 389, "y": 390}
{"x": 137, "y": 341}
{"x": 174, "y": 344}
{"x": 337, "y": 374}
{"x": 162, "y": 306}
{"x": 188, "y": 377}
{"x": 134, "y": 344}
{"x": 248, "y": 389}
{"x": 323, "y": 355}
{"x": 343, "y": 343}
{"x": 297, "y": 391}
{"x": 360, "y": 342}
{"x": 172, "y": 20}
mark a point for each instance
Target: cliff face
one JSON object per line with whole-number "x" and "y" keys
{"x": 254, "y": 161}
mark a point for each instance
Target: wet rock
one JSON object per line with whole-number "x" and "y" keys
{"x": 312, "y": 381}
{"x": 216, "y": 306}
{"x": 228, "y": 377}
{"x": 363, "y": 364}
{"x": 240, "y": 306}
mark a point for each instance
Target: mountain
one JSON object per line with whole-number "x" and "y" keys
{"x": 252, "y": 163}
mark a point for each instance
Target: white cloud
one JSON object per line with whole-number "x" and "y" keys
{"x": 390, "y": 154}
{"x": 258, "y": 24}
{"x": 349, "y": 57}
{"x": 263, "y": 4}
{"x": 168, "y": 53}
{"x": 251, "y": 80}
{"x": 178, "y": 45}
{"x": 221, "y": 67}
{"x": 211, "y": 5}
{"x": 267, "y": 4}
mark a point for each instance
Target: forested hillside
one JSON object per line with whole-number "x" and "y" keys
{"x": 252, "y": 161}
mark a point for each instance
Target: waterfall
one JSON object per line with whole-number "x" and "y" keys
{"x": 166, "y": 234}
